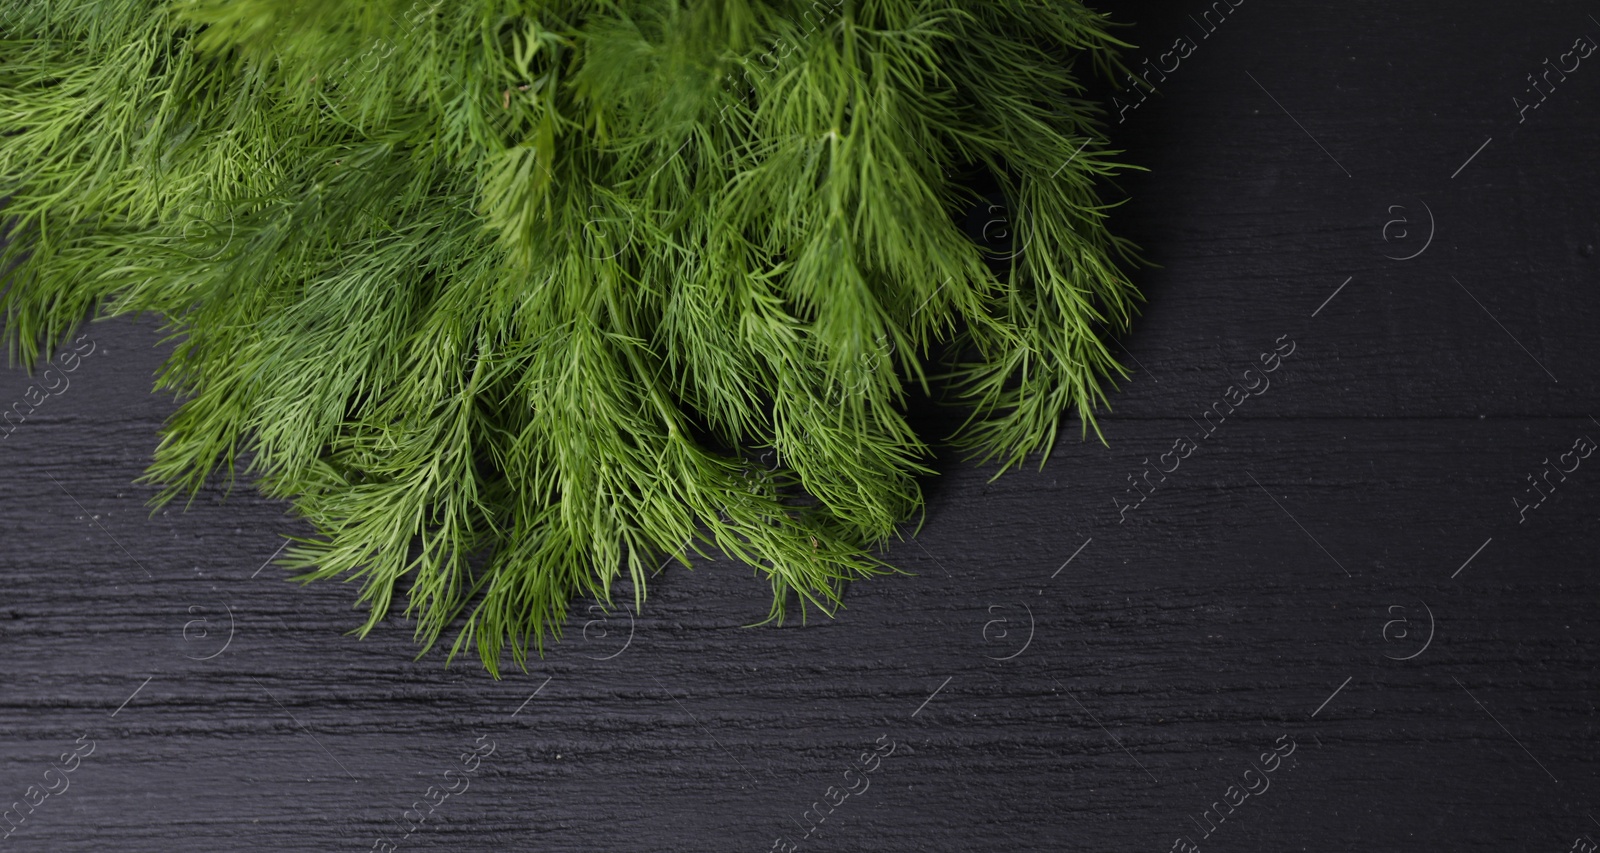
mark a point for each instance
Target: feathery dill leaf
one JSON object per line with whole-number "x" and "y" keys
{"x": 503, "y": 294}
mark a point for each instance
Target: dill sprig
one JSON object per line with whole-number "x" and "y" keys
{"x": 504, "y": 295}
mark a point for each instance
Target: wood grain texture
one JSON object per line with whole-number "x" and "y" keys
{"x": 1339, "y": 564}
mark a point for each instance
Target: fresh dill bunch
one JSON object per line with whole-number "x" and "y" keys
{"x": 504, "y": 295}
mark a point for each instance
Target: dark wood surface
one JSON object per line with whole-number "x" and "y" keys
{"x": 1340, "y": 566}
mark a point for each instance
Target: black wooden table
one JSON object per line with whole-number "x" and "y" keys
{"x": 1330, "y": 586}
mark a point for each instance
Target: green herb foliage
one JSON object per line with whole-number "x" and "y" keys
{"x": 502, "y": 294}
